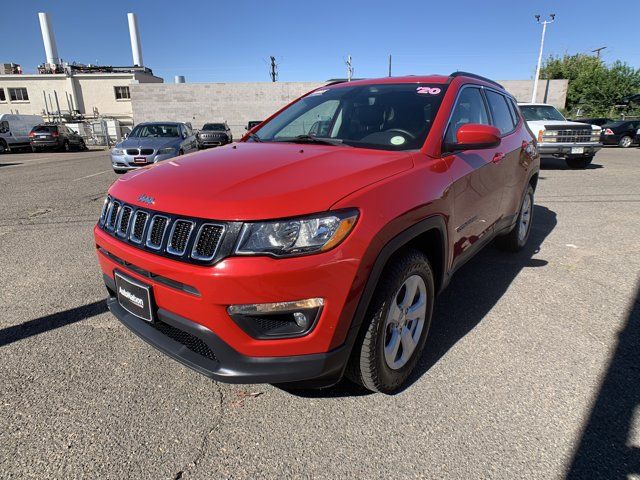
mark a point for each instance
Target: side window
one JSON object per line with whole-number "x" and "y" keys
{"x": 469, "y": 108}
{"x": 500, "y": 112}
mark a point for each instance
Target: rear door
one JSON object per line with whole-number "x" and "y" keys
{"x": 477, "y": 180}
{"x": 507, "y": 156}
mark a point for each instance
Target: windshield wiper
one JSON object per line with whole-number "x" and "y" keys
{"x": 310, "y": 139}
{"x": 255, "y": 137}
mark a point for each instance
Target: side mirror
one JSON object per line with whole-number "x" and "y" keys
{"x": 475, "y": 136}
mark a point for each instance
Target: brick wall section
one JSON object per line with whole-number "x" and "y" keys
{"x": 238, "y": 103}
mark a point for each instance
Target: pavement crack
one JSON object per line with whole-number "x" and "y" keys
{"x": 204, "y": 444}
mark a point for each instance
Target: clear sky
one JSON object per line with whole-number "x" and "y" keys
{"x": 231, "y": 41}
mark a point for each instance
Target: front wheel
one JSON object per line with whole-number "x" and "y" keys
{"x": 395, "y": 329}
{"x": 3, "y": 147}
{"x": 579, "y": 163}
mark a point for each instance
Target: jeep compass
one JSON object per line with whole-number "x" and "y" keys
{"x": 314, "y": 248}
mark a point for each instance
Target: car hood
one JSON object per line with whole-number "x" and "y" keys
{"x": 536, "y": 125}
{"x": 251, "y": 181}
{"x": 149, "y": 142}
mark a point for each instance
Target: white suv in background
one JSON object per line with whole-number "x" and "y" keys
{"x": 576, "y": 142}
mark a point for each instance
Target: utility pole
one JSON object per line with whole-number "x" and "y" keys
{"x": 544, "y": 30}
{"x": 273, "y": 72}
{"x": 597, "y": 51}
{"x": 389, "y": 64}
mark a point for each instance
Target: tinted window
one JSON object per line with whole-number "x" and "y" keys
{"x": 45, "y": 128}
{"x": 500, "y": 113}
{"x": 469, "y": 108}
{"x": 155, "y": 130}
{"x": 379, "y": 116}
{"x": 216, "y": 127}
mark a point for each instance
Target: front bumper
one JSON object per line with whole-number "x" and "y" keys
{"x": 127, "y": 162}
{"x": 200, "y": 349}
{"x": 213, "y": 142}
{"x": 565, "y": 149}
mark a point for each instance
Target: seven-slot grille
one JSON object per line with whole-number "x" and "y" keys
{"x": 186, "y": 239}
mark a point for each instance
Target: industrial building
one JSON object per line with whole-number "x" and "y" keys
{"x": 72, "y": 92}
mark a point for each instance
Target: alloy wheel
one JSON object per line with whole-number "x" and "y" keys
{"x": 525, "y": 218}
{"x": 405, "y": 321}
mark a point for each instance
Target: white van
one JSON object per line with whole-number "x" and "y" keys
{"x": 14, "y": 130}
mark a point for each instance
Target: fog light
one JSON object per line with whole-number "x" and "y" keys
{"x": 277, "y": 320}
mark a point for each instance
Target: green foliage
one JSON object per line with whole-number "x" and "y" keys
{"x": 595, "y": 88}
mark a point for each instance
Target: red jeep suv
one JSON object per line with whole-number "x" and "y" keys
{"x": 315, "y": 246}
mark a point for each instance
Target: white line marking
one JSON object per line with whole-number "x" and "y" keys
{"x": 89, "y": 176}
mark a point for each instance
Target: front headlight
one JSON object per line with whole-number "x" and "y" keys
{"x": 117, "y": 151}
{"x": 167, "y": 151}
{"x": 296, "y": 236}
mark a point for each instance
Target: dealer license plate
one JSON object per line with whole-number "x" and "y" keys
{"x": 133, "y": 296}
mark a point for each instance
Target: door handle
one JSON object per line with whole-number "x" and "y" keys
{"x": 497, "y": 158}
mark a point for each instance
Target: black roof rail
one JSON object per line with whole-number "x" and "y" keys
{"x": 473, "y": 75}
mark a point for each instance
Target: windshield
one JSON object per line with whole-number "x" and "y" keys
{"x": 217, "y": 127}
{"x": 541, "y": 112}
{"x": 389, "y": 116}
{"x": 155, "y": 130}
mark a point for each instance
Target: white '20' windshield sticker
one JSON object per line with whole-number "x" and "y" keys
{"x": 428, "y": 90}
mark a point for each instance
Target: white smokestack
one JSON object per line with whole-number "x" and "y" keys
{"x": 134, "y": 34}
{"x": 49, "y": 40}
{"x": 178, "y": 79}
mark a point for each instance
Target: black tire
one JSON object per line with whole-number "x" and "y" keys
{"x": 579, "y": 163}
{"x": 181, "y": 152}
{"x": 625, "y": 141}
{"x": 65, "y": 146}
{"x": 367, "y": 365}
{"x": 82, "y": 146}
{"x": 515, "y": 241}
{"x": 3, "y": 147}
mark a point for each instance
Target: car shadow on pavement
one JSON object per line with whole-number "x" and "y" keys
{"x": 11, "y": 164}
{"x": 608, "y": 447}
{"x": 476, "y": 288}
{"x": 553, "y": 163}
{"x": 481, "y": 283}
{"x": 51, "y": 322}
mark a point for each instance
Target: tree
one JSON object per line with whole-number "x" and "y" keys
{"x": 595, "y": 88}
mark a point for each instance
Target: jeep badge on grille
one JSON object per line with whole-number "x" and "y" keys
{"x": 146, "y": 199}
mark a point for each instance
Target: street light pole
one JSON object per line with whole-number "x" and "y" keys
{"x": 544, "y": 30}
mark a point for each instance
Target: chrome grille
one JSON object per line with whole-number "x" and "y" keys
{"x": 113, "y": 215}
{"x": 156, "y": 231}
{"x": 207, "y": 241}
{"x": 179, "y": 237}
{"x": 139, "y": 222}
{"x": 192, "y": 240}
{"x": 125, "y": 217}
{"x": 570, "y": 136}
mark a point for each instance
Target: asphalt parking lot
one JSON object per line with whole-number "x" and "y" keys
{"x": 532, "y": 369}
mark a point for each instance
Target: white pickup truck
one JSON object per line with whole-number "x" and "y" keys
{"x": 576, "y": 142}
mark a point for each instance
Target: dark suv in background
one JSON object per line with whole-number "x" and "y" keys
{"x": 55, "y": 137}
{"x": 214, "y": 135}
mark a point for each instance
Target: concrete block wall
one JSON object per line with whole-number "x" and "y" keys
{"x": 238, "y": 103}
{"x": 199, "y": 103}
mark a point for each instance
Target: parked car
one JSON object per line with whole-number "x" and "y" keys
{"x": 294, "y": 258}
{"x": 576, "y": 142}
{"x": 214, "y": 135}
{"x": 594, "y": 121}
{"x": 15, "y": 129}
{"x": 152, "y": 142}
{"x": 49, "y": 136}
{"x": 620, "y": 133}
{"x": 252, "y": 123}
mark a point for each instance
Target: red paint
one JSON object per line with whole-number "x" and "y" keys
{"x": 391, "y": 190}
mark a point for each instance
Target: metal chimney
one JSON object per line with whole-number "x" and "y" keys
{"x": 49, "y": 40}
{"x": 134, "y": 34}
{"x": 178, "y": 79}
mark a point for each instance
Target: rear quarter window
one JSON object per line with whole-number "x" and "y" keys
{"x": 500, "y": 111}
